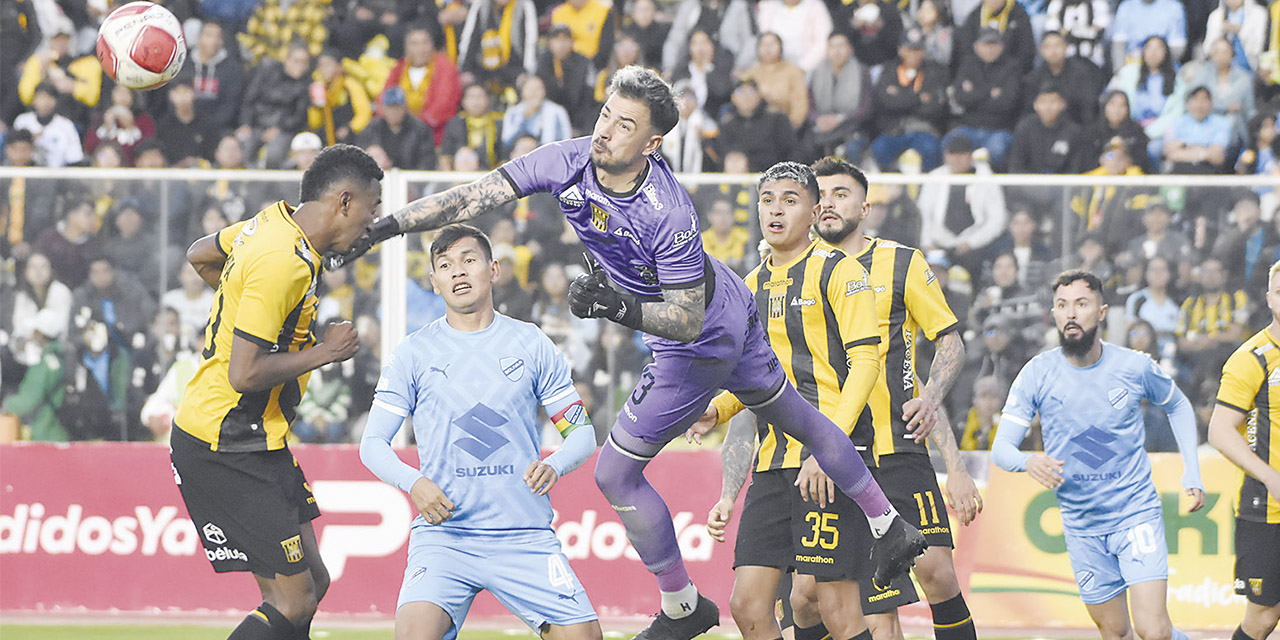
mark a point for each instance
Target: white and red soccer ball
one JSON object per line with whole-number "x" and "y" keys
{"x": 140, "y": 45}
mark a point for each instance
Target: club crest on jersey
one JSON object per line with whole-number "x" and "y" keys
{"x": 1255, "y": 585}
{"x": 292, "y": 549}
{"x": 777, "y": 305}
{"x": 512, "y": 368}
{"x": 1117, "y": 397}
{"x": 572, "y": 196}
{"x": 1085, "y": 580}
{"x": 599, "y": 218}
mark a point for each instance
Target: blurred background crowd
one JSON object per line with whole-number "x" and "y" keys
{"x": 102, "y": 322}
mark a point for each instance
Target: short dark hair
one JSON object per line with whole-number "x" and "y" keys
{"x": 638, "y": 83}
{"x": 450, "y": 236}
{"x": 833, "y": 166}
{"x": 1249, "y": 195}
{"x": 335, "y": 164}
{"x": 20, "y": 135}
{"x": 1071, "y": 275}
{"x": 1198, "y": 90}
{"x": 788, "y": 170}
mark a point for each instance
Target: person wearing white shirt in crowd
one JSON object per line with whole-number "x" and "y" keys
{"x": 803, "y": 27}
{"x": 683, "y": 148}
{"x": 192, "y": 300}
{"x": 58, "y": 142}
{"x": 536, "y": 116}
{"x": 1244, "y": 25}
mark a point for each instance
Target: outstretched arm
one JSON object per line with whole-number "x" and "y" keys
{"x": 457, "y": 204}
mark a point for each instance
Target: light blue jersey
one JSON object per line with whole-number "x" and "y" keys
{"x": 1091, "y": 419}
{"x": 474, "y": 397}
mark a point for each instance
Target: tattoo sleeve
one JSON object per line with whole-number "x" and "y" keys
{"x": 678, "y": 317}
{"x": 945, "y": 439}
{"x": 735, "y": 454}
{"x": 460, "y": 203}
{"x": 948, "y": 358}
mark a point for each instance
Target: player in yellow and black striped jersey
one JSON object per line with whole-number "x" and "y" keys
{"x": 819, "y": 313}
{"x": 1245, "y": 427}
{"x": 909, "y": 305}
{"x": 245, "y": 492}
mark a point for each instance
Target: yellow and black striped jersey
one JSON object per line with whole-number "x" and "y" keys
{"x": 1207, "y": 314}
{"x": 815, "y": 308}
{"x": 266, "y": 295}
{"x": 908, "y": 301}
{"x": 1248, "y": 380}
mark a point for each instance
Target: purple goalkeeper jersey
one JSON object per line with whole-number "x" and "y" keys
{"x": 645, "y": 239}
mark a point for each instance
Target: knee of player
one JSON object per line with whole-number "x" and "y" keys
{"x": 937, "y": 574}
{"x": 299, "y": 607}
{"x": 750, "y": 610}
{"x": 1153, "y": 627}
{"x": 1258, "y": 616}
{"x": 804, "y": 598}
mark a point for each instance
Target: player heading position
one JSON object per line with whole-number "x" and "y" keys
{"x": 1243, "y": 427}
{"x": 909, "y": 302}
{"x": 245, "y": 492}
{"x": 473, "y": 381}
{"x": 639, "y": 223}
{"x": 1088, "y": 394}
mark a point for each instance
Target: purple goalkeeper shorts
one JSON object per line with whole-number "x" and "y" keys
{"x": 732, "y": 353}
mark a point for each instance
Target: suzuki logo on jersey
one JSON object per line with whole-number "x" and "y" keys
{"x": 1117, "y": 397}
{"x": 480, "y": 423}
{"x": 572, "y": 196}
{"x": 599, "y": 218}
{"x": 1093, "y": 449}
{"x": 512, "y": 368}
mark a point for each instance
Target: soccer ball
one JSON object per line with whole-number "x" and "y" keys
{"x": 140, "y": 45}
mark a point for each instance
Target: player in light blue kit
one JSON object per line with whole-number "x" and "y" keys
{"x": 700, "y": 320}
{"x": 473, "y": 381}
{"x": 1089, "y": 396}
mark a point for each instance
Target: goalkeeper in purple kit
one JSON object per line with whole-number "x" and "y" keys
{"x": 698, "y": 317}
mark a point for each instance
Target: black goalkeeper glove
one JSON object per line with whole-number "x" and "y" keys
{"x": 382, "y": 229}
{"x": 590, "y": 296}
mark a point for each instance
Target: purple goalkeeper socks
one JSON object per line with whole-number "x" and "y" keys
{"x": 645, "y": 515}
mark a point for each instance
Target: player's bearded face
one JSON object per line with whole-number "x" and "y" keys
{"x": 1078, "y": 313}
{"x": 843, "y": 208}
{"x": 1081, "y": 340}
{"x": 621, "y": 135}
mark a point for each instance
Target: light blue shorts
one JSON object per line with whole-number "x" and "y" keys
{"x": 525, "y": 571}
{"x": 1106, "y": 565}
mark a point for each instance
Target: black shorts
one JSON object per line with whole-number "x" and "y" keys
{"x": 1258, "y": 562}
{"x": 910, "y": 485}
{"x": 247, "y": 507}
{"x": 901, "y": 592}
{"x": 779, "y": 529}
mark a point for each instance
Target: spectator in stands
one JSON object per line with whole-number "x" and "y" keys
{"x": 1046, "y": 141}
{"x": 685, "y": 146}
{"x": 1156, "y": 305}
{"x": 429, "y": 81}
{"x": 275, "y": 107}
{"x": 962, "y": 219}
{"x": 498, "y": 46}
{"x": 1197, "y": 141}
{"x": 934, "y": 20}
{"x": 893, "y": 215}
{"x": 781, "y": 83}
{"x": 158, "y": 410}
{"x": 1113, "y": 211}
{"x": 303, "y": 150}
{"x": 765, "y": 137}
{"x": 724, "y": 240}
{"x": 1232, "y": 89}
{"x": 27, "y": 207}
{"x": 1079, "y": 80}
{"x": 405, "y": 139}
{"x": 983, "y": 419}
{"x": 1000, "y": 352}
{"x": 115, "y": 298}
{"x": 153, "y": 356}
{"x": 708, "y": 72}
{"x": 1212, "y": 322}
{"x": 1240, "y": 242}
{"x": 536, "y": 116}
{"x": 40, "y": 395}
{"x": 1139, "y": 20}
{"x": 57, "y": 141}
{"x": 19, "y": 37}
{"x": 874, "y": 28}
{"x": 841, "y": 91}
{"x": 1011, "y": 25}
{"x": 730, "y": 24}
{"x": 36, "y": 292}
{"x": 233, "y": 197}
{"x": 325, "y": 407}
{"x": 340, "y": 299}
{"x": 217, "y": 78}
{"x": 97, "y": 374}
{"x": 1084, "y": 24}
{"x": 593, "y": 26}
{"x": 509, "y": 298}
{"x": 1031, "y": 256}
{"x": 573, "y": 336}
{"x": 121, "y": 123}
{"x": 986, "y": 93}
{"x": 1091, "y": 256}
{"x": 355, "y": 22}
{"x": 1155, "y": 92}
{"x": 651, "y": 34}
{"x": 1243, "y": 24}
{"x": 71, "y": 243}
{"x": 1000, "y": 292}
{"x": 1159, "y": 238}
{"x": 477, "y": 127}
{"x": 339, "y": 106}
{"x": 74, "y": 82}
{"x": 272, "y": 30}
{"x": 566, "y": 77}
{"x": 1115, "y": 122}
{"x": 192, "y": 300}
{"x": 1259, "y": 157}
{"x": 185, "y": 138}
{"x": 802, "y": 26}
{"x": 626, "y": 52}
{"x": 130, "y": 243}
{"x": 910, "y": 106}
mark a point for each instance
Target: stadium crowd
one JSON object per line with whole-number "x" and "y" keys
{"x": 94, "y": 349}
